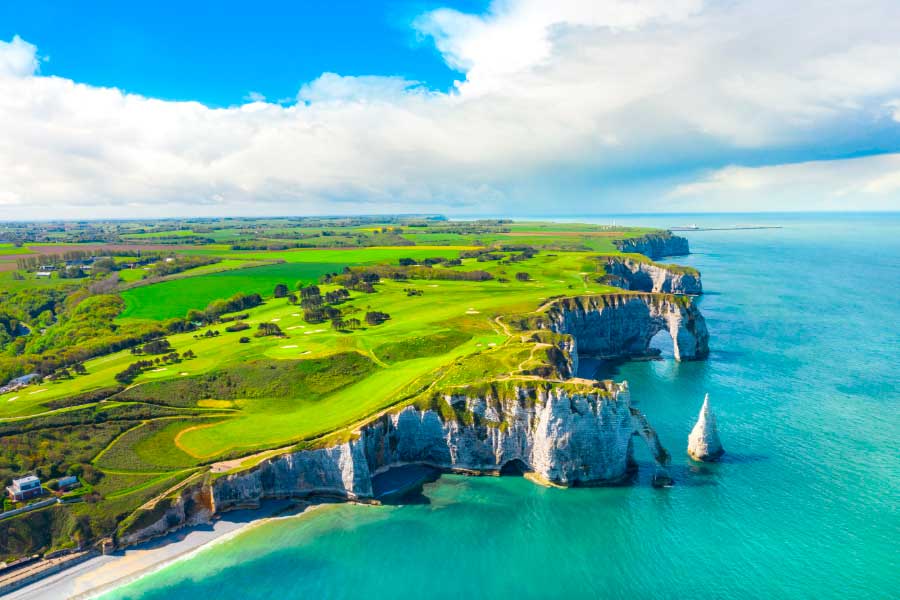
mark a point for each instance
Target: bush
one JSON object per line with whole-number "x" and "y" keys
{"x": 239, "y": 326}
{"x": 244, "y": 340}
{"x": 523, "y": 276}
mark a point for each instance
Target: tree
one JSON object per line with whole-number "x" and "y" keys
{"x": 292, "y": 298}
{"x": 268, "y": 329}
{"x": 523, "y": 276}
{"x": 281, "y": 290}
{"x": 375, "y": 317}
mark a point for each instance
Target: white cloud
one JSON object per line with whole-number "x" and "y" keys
{"x": 868, "y": 183}
{"x": 18, "y": 58}
{"x": 563, "y": 107}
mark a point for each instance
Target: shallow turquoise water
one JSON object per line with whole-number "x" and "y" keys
{"x": 805, "y": 325}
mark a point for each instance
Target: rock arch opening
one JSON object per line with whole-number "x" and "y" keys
{"x": 662, "y": 345}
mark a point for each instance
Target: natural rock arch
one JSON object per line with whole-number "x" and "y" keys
{"x": 622, "y": 325}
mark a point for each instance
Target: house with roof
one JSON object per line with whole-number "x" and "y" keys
{"x": 25, "y": 488}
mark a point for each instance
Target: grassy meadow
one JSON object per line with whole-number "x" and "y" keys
{"x": 230, "y": 399}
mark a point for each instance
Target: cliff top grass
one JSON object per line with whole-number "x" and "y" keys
{"x": 448, "y": 332}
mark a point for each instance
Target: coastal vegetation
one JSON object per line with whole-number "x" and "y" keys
{"x": 248, "y": 335}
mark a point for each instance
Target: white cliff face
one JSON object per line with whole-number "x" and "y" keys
{"x": 650, "y": 277}
{"x": 623, "y": 325}
{"x": 703, "y": 442}
{"x": 655, "y": 245}
{"x": 564, "y": 437}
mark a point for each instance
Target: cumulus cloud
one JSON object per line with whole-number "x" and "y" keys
{"x": 18, "y": 58}
{"x": 563, "y": 107}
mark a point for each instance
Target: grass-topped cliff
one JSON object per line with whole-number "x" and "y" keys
{"x": 145, "y": 382}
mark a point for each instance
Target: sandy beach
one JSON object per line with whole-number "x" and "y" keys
{"x": 104, "y": 573}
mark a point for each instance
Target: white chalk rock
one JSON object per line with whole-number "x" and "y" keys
{"x": 703, "y": 442}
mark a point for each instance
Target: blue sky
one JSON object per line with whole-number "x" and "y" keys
{"x": 217, "y": 52}
{"x": 519, "y": 107}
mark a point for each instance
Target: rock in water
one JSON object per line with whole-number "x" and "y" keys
{"x": 703, "y": 443}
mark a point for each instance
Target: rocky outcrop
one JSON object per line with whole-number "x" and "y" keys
{"x": 645, "y": 276}
{"x": 567, "y": 434}
{"x": 193, "y": 505}
{"x": 703, "y": 442}
{"x": 622, "y": 325}
{"x": 655, "y": 245}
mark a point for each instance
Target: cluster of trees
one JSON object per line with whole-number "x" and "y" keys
{"x": 217, "y": 308}
{"x": 375, "y": 317}
{"x": 413, "y": 292}
{"x": 428, "y": 262}
{"x": 337, "y": 296}
{"x": 397, "y": 273}
{"x": 320, "y": 314}
{"x": 265, "y": 329}
{"x": 182, "y": 263}
{"x": 238, "y": 326}
{"x": 340, "y": 324}
{"x": 160, "y": 346}
{"x": 209, "y": 333}
{"x": 523, "y": 276}
{"x": 354, "y": 280}
{"x": 136, "y": 368}
{"x": 81, "y": 327}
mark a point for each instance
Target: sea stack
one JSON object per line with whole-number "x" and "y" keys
{"x": 703, "y": 443}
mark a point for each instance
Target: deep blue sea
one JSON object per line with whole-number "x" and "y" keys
{"x": 803, "y": 375}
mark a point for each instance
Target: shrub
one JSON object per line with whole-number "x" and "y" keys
{"x": 239, "y": 326}
{"x": 244, "y": 340}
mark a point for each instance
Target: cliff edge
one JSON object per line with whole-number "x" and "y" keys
{"x": 655, "y": 245}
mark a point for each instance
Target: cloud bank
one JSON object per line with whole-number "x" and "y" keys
{"x": 577, "y": 107}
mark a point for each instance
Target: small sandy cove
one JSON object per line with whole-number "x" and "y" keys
{"x": 105, "y": 573}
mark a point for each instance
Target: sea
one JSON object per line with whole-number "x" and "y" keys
{"x": 803, "y": 377}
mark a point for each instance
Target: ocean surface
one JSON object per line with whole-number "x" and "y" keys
{"x": 803, "y": 375}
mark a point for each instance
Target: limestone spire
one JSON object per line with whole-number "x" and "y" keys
{"x": 703, "y": 442}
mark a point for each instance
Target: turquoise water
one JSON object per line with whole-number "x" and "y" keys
{"x": 805, "y": 325}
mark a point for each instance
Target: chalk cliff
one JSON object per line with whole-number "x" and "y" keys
{"x": 646, "y": 276}
{"x": 565, "y": 433}
{"x": 562, "y": 430}
{"x": 703, "y": 442}
{"x": 622, "y": 325}
{"x": 655, "y": 245}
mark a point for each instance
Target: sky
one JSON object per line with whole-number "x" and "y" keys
{"x": 504, "y": 107}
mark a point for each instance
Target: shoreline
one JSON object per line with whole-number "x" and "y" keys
{"x": 102, "y": 574}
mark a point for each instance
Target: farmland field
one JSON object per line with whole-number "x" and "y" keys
{"x": 175, "y": 298}
{"x": 381, "y": 326}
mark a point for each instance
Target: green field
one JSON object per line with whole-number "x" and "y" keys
{"x": 228, "y": 400}
{"x": 175, "y": 298}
